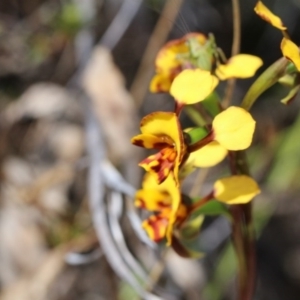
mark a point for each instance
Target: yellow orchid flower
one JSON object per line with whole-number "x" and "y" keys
{"x": 288, "y": 48}
{"x": 232, "y": 129}
{"x": 238, "y": 189}
{"x": 192, "y": 86}
{"x": 162, "y": 131}
{"x": 239, "y": 66}
{"x": 165, "y": 201}
{"x": 171, "y": 60}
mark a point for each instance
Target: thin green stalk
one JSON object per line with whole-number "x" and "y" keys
{"x": 194, "y": 115}
{"x": 234, "y": 50}
{"x": 238, "y": 242}
{"x": 243, "y": 234}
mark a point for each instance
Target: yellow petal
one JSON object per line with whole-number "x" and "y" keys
{"x": 166, "y": 59}
{"x": 239, "y": 66}
{"x": 233, "y": 128}
{"x": 160, "y": 83}
{"x": 268, "y": 16}
{"x": 291, "y": 51}
{"x": 237, "y": 189}
{"x": 149, "y": 183}
{"x": 193, "y": 85}
{"x": 164, "y": 125}
{"x": 208, "y": 156}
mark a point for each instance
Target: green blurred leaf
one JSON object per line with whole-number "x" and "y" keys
{"x": 187, "y": 249}
{"x": 212, "y": 208}
{"x": 69, "y": 20}
{"x": 226, "y": 268}
{"x": 191, "y": 227}
{"x": 126, "y": 291}
{"x": 212, "y": 104}
{"x": 194, "y": 115}
{"x": 286, "y": 163}
{"x": 268, "y": 78}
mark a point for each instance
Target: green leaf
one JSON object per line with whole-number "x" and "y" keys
{"x": 212, "y": 208}
{"x": 69, "y": 19}
{"x": 285, "y": 167}
{"x": 212, "y": 104}
{"x": 268, "y": 78}
{"x": 187, "y": 249}
{"x": 226, "y": 267}
{"x": 191, "y": 228}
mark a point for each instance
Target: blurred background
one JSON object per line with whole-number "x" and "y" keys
{"x": 74, "y": 78}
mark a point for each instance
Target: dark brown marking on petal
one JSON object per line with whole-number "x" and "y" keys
{"x": 156, "y": 222}
{"x": 157, "y": 168}
{"x": 139, "y": 143}
{"x": 163, "y": 205}
{"x": 160, "y": 145}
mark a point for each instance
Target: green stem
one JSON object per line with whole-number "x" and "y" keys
{"x": 201, "y": 202}
{"x": 194, "y": 115}
{"x": 243, "y": 233}
{"x": 235, "y": 49}
{"x": 238, "y": 242}
{"x": 250, "y": 248}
